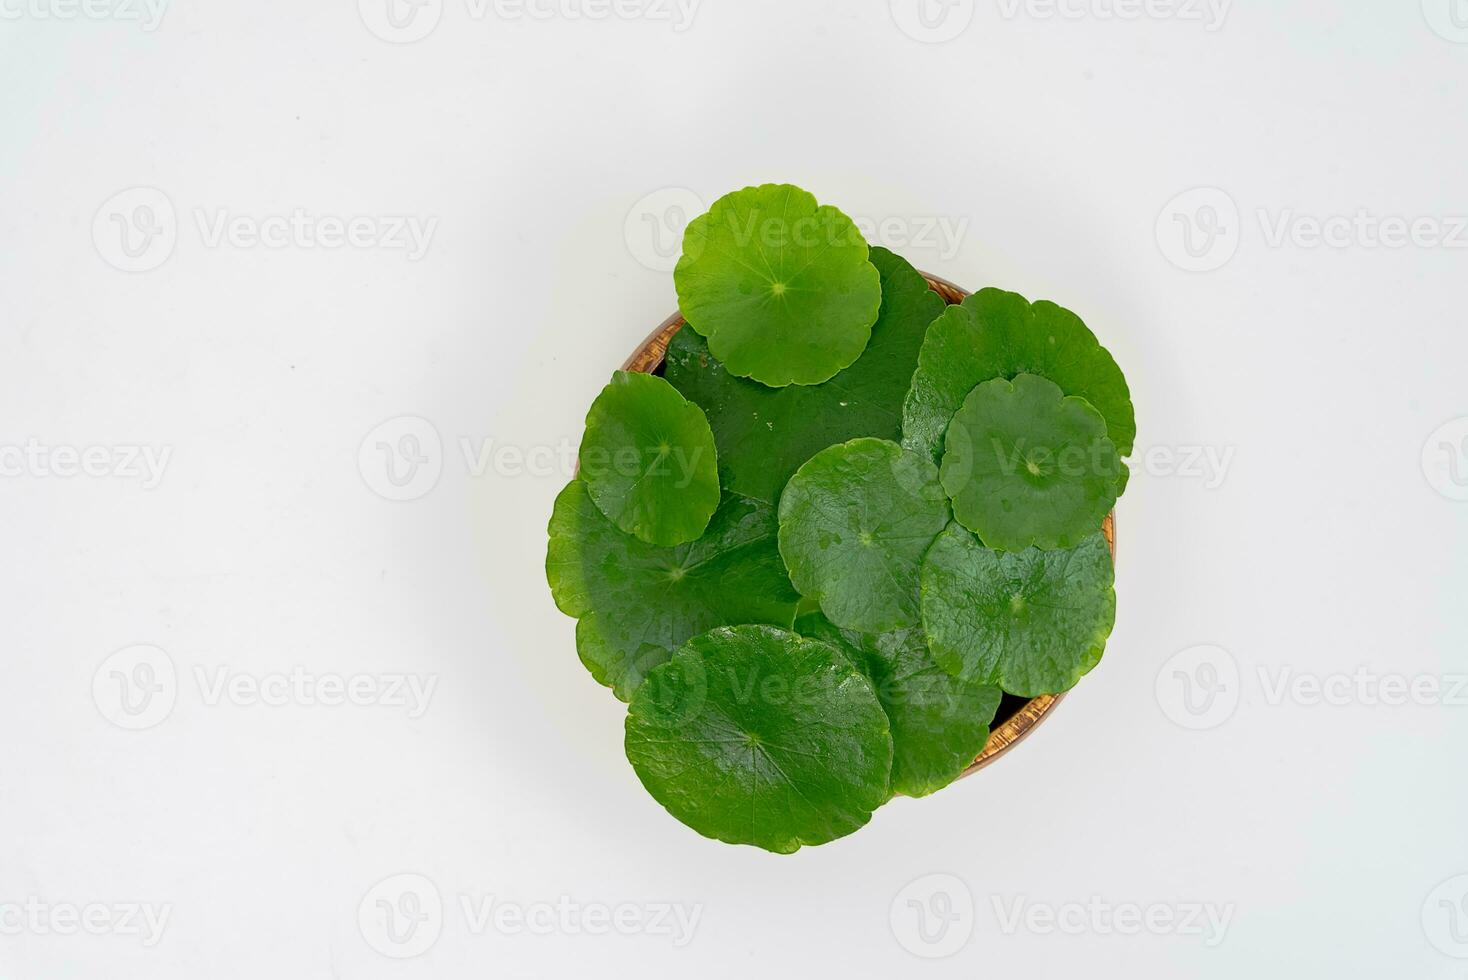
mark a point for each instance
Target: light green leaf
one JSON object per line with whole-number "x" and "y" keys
{"x": 1027, "y": 465}
{"x": 781, "y": 287}
{"x": 649, "y": 461}
{"x": 636, "y": 603}
{"x": 854, "y": 523}
{"x": 1033, "y": 622}
{"x": 765, "y": 434}
{"x": 996, "y": 334}
{"x": 940, "y": 722}
{"x": 754, "y": 735}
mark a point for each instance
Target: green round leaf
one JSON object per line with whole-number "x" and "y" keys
{"x": 765, "y": 434}
{"x": 996, "y": 334}
{"x": 782, "y": 288}
{"x": 940, "y": 722}
{"x": 636, "y": 603}
{"x": 854, "y": 523}
{"x": 1033, "y": 622}
{"x": 754, "y": 735}
{"x": 649, "y": 461}
{"x": 1027, "y": 465}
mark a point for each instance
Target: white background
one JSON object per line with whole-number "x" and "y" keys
{"x": 1331, "y": 540}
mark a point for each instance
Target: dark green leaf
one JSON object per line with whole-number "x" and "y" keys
{"x": 1033, "y": 622}
{"x": 754, "y": 735}
{"x": 854, "y": 523}
{"x": 939, "y": 722}
{"x": 636, "y": 603}
{"x": 996, "y": 334}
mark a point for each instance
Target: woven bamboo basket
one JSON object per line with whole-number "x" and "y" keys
{"x": 1017, "y": 717}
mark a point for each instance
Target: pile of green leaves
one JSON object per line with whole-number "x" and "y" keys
{"x": 845, "y": 520}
